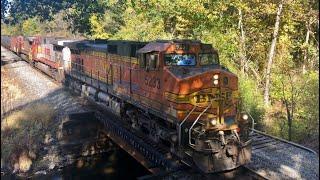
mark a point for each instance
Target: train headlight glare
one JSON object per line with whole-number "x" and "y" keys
{"x": 214, "y": 122}
{"x": 216, "y": 76}
{"x": 245, "y": 117}
{"x": 216, "y": 82}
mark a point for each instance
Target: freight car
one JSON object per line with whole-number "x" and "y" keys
{"x": 175, "y": 92}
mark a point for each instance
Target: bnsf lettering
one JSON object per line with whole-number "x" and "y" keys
{"x": 152, "y": 82}
{"x": 203, "y": 98}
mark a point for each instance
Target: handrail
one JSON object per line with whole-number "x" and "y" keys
{"x": 196, "y": 122}
{"x": 179, "y": 132}
{"x": 253, "y": 123}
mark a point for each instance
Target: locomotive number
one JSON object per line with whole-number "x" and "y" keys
{"x": 152, "y": 82}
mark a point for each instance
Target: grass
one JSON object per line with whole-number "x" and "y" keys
{"x": 10, "y": 91}
{"x": 23, "y": 133}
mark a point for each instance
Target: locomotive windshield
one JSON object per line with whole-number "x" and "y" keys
{"x": 180, "y": 59}
{"x": 209, "y": 59}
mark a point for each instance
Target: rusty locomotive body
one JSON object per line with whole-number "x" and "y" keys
{"x": 175, "y": 92}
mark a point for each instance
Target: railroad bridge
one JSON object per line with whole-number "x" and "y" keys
{"x": 272, "y": 157}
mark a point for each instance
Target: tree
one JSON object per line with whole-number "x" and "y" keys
{"x": 80, "y": 13}
{"x": 31, "y": 27}
{"x": 21, "y": 10}
{"x": 271, "y": 53}
{"x": 4, "y": 7}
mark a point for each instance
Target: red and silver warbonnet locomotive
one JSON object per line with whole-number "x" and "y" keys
{"x": 175, "y": 92}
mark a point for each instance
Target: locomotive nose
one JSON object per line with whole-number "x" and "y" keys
{"x": 229, "y": 157}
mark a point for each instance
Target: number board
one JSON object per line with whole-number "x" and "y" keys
{"x": 184, "y": 47}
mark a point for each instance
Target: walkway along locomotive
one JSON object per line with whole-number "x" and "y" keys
{"x": 175, "y": 92}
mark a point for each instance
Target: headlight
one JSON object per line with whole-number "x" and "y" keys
{"x": 213, "y": 122}
{"x": 216, "y": 82}
{"x": 216, "y": 76}
{"x": 245, "y": 117}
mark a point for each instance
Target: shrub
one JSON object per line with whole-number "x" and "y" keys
{"x": 252, "y": 100}
{"x": 23, "y": 131}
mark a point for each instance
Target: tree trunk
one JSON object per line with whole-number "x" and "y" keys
{"x": 289, "y": 119}
{"x": 292, "y": 108}
{"x": 289, "y": 113}
{"x": 255, "y": 73}
{"x": 243, "y": 58}
{"x": 271, "y": 54}
{"x": 305, "y": 55}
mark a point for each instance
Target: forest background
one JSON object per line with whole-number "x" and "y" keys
{"x": 272, "y": 45}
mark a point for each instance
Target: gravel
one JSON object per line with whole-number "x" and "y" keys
{"x": 24, "y": 85}
{"x": 285, "y": 161}
{"x": 35, "y": 86}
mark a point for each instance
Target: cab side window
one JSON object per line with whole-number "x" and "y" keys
{"x": 152, "y": 61}
{"x": 142, "y": 61}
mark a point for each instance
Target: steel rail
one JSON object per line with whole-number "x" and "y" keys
{"x": 277, "y": 138}
{"x": 285, "y": 141}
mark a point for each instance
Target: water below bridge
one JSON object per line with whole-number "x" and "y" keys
{"x": 116, "y": 164}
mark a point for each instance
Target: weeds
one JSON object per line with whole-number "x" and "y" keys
{"x": 23, "y": 133}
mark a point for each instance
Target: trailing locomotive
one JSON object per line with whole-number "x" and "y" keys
{"x": 175, "y": 92}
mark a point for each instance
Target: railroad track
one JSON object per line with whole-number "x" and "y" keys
{"x": 276, "y": 158}
{"x": 262, "y": 141}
